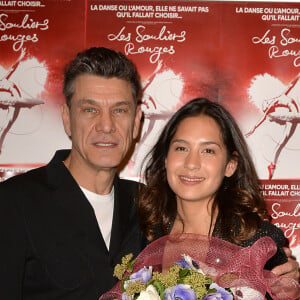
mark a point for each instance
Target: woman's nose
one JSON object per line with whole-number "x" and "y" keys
{"x": 193, "y": 160}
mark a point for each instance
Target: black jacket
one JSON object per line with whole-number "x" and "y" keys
{"x": 51, "y": 244}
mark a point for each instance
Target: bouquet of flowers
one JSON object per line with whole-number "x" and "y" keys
{"x": 196, "y": 267}
{"x": 184, "y": 280}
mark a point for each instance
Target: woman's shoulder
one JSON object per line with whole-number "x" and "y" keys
{"x": 269, "y": 229}
{"x": 266, "y": 228}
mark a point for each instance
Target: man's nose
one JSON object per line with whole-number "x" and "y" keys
{"x": 105, "y": 122}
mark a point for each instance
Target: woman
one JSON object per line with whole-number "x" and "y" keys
{"x": 200, "y": 179}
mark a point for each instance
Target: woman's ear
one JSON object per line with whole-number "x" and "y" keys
{"x": 232, "y": 165}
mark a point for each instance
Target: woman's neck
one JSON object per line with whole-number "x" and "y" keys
{"x": 194, "y": 217}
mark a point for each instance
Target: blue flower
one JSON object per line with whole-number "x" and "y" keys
{"x": 180, "y": 292}
{"x": 220, "y": 294}
{"x": 126, "y": 297}
{"x": 144, "y": 275}
{"x": 183, "y": 263}
{"x": 187, "y": 262}
{"x": 213, "y": 296}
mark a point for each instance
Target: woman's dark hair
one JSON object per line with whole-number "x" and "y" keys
{"x": 103, "y": 62}
{"x": 238, "y": 199}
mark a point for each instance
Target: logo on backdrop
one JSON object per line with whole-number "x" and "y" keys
{"x": 161, "y": 97}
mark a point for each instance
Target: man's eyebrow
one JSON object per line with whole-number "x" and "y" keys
{"x": 94, "y": 102}
{"x": 87, "y": 101}
{"x": 119, "y": 103}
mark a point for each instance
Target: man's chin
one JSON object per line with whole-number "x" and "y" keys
{"x": 107, "y": 165}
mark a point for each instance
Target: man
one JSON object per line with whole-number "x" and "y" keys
{"x": 65, "y": 226}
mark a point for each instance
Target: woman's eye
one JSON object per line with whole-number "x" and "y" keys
{"x": 209, "y": 151}
{"x": 180, "y": 148}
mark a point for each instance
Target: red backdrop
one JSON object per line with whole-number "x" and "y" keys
{"x": 241, "y": 54}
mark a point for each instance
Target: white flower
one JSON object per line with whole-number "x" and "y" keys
{"x": 189, "y": 260}
{"x": 246, "y": 293}
{"x": 149, "y": 294}
{"x": 197, "y": 266}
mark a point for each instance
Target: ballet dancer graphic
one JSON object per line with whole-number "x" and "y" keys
{"x": 161, "y": 97}
{"x": 282, "y": 109}
{"x": 12, "y": 98}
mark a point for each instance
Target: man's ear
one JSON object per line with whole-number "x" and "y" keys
{"x": 137, "y": 121}
{"x": 65, "y": 114}
{"x": 232, "y": 165}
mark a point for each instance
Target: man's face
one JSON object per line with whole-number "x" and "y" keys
{"x": 102, "y": 121}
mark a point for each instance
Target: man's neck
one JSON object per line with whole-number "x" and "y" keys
{"x": 99, "y": 181}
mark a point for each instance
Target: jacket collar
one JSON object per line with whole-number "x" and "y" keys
{"x": 61, "y": 180}
{"x": 57, "y": 172}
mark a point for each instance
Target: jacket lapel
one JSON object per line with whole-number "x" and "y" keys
{"x": 121, "y": 215}
{"x": 73, "y": 202}
{"x": 76, "y": 207}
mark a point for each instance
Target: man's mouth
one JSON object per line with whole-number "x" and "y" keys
{"x": 105, "y": 144}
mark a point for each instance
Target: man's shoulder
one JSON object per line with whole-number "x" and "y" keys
{"x": 30, "y": 176}
{"x": 128, "y": 185}
{"x": 129, "y": 182}
{"x": 37, "y": 176}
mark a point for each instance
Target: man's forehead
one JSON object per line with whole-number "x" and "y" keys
{"x": 107, "y": 102}
{"x": 101, "y": 81}
{"x": 102, "y": 90}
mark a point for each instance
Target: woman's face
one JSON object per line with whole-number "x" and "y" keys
{"x": 197, "y": 159}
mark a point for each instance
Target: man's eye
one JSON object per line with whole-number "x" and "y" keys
{"x": 120, "y": 110}
{"x": 89, "y": 109}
